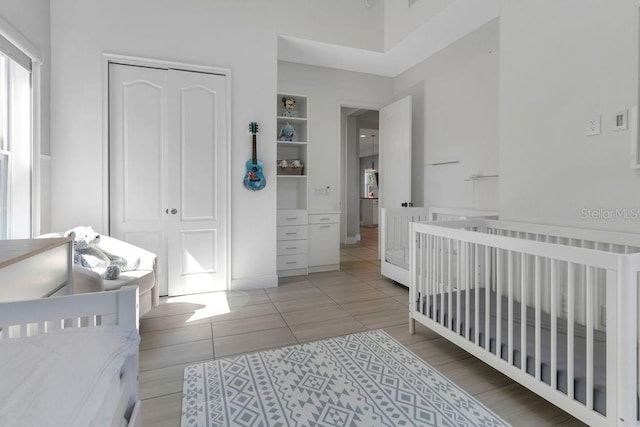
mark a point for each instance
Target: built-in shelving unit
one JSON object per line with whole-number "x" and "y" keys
{"x": 292, "y": 218}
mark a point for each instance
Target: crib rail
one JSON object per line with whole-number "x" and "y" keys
{"x": 554, "y": 308}
{"x": 394, "y": 234}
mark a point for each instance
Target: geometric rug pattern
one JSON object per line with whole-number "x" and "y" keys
{"x": 364, "y": 379}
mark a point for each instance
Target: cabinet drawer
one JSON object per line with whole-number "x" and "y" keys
{"x": 324, "y": 218}
{"x": 296, "y": 232}
{"x": 290, "y": 262}
{"x": 292, "y": 217}
{"x": 292, "y": 247}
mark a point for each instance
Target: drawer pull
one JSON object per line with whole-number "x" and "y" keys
{"x": 291, "y": 219}
{"x": 291, "y": 248}
{"x": 291, "y": 233}
{"x": 325, "y": 219}
{"x": 291, "y": 262}
{"x": 325, "y": 226}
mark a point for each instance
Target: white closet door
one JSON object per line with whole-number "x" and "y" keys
{"x": 199, "y": 172}
{"x": 395, "y": 154}
{"x": 168, "y": 173}
{"x": 137, "y": 158}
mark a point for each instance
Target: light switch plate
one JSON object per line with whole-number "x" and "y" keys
{"x": 593, "y": 125}
{"x": 620, "y": 120}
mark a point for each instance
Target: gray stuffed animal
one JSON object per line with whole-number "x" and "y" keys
{"x": 88, "y": 255}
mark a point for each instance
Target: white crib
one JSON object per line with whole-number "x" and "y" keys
{"x": 554, "y": 308}
{"x": 394, "y": 235}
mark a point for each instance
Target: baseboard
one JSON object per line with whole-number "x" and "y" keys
{"x": 248, "y": 283}
{"x": 323, "y": 268}
{"x": 295, "y": 272}
{"x": 351, "y": 240}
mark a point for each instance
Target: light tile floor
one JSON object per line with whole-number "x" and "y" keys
{"x": 186, "y": 330}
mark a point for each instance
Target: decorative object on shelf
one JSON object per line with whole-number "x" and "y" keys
{"x": 290, "y": 167}
{"x": 287, "y": 133}
{"x": 254, "y": 179}
{"x": 289, "y": 104}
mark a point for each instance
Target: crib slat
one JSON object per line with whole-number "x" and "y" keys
{"x": 510, "y": 308}
{"x": 467, "y": 286}
{"x": 499, "y": 279}
{"x": 459, "y": 281}
{"x": 589, "y": 368}
{"x": 442, "y": 280}
{"x": 476, "y": 320}
{"x": 523, "y": 311}
{"x": 449, "y": 283}
{"x": 538, "y": 303}
{"x": 432, "y": 275}
{"x": 570, "y": 329}
{"x": 424, "y": 257}
{"x": 427, "y": 287}
{"x": 434, "y": 284}
{"x": 487, "y": 297}
{"x": 554, "y": 324}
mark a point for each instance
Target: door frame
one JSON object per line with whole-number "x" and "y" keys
{"x": 110, "y": 58}
{"x": 342, "y": 181}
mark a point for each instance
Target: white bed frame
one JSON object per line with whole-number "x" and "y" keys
{"x": 394, "y": 235}
{"x": 94, "y": 310}
{"x": 588, "y": 279}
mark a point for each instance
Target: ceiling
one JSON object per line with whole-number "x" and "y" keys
{"x": 459, "y": 19}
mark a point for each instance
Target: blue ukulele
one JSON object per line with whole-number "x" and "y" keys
{"x": 254, "y": 179}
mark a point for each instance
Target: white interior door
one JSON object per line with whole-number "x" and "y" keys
{"x": 168, "y": 172}
{"x": 395, "y": 154}
{"x": 137, "y": 160}
{"x": 198, "y": 170}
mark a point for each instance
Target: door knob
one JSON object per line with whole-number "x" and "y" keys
{"x": 174, "y": 211}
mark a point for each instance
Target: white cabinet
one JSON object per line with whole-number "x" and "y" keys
{"x": 324, "y": 241}
{"x": 292, "y": 235}
{"x": 368, "y": 211}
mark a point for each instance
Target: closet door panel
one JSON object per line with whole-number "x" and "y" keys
{"x": 143, "y": 123}
{"x": 198, "y": 168}
{"x": 137, "y": 159}
{"x": 199, "y": 171}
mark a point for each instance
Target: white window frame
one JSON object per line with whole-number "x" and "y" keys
{"x": 19, "y": 41}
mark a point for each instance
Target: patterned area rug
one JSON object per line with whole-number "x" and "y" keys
{"x": 365, "y": 379}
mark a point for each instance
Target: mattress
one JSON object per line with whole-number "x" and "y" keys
{"x": 64, "y": 377}
{"x": 432, "y": 310}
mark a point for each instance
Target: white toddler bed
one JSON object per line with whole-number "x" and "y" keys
{"x": 70, "y": 360}
{"x": 554, "y": 308}
{"x": 394, "y": 234}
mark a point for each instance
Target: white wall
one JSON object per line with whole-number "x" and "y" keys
{"x": 327, "y": 89}
{"x": 239, "y": 35}
{"x": 455, "y": 118}
{"x": 31, "y": 19}
{"x": 400, "y": 19}
{"x": 561, "y": 62}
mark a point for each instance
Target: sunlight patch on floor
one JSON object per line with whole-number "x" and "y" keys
{"x": 213, "y": 304}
